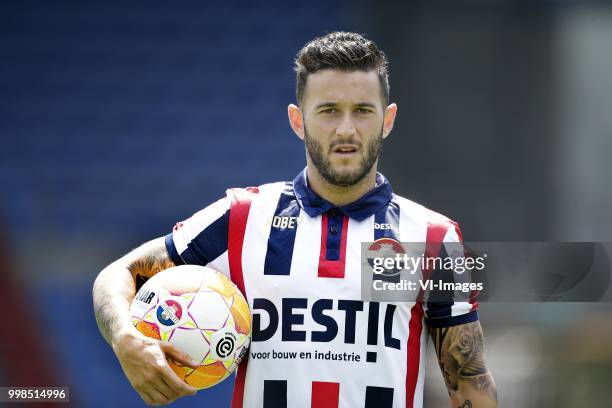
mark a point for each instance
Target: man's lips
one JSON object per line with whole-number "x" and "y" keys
{"x": 345, "y": 149}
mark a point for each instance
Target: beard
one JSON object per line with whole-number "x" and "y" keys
{"x": 344, "y": 178}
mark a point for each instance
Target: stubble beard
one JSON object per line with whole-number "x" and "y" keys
{"x": 321, "y": 162}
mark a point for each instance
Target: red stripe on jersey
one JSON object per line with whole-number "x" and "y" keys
{"x": 332, "y": 269}
{"x": 473, "y": 303}
{"x": 325, "y": 394}
{"x": 435, "y": 234}
{"x": 414, "y": 352}
{"x": 473, "y": 294}
{"x": 239, "y": 214}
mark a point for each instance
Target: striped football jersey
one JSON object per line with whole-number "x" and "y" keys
{"x": 297, "y": 259}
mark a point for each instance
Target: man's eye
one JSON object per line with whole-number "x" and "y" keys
{"x": 363, "y": 110}
{"x": 329, "y": 110}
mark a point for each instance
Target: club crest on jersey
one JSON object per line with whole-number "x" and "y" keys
{"x": 169, "y": 312}
{"x": 384, "y": 248}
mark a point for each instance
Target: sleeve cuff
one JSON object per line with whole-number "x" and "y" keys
{"x": 171, "y": 248}
{"x": 453, "y": 320}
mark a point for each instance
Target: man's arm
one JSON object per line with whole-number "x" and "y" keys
{"x": 143, "y": 359}
{"x": 460, "y": 351}
{"x": 115, "y": 286}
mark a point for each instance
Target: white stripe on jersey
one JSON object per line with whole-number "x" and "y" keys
{"x": 221, "y": 264}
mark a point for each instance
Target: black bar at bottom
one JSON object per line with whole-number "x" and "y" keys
{"x": 275, "y": 394}
{"x": 379, "y": 397}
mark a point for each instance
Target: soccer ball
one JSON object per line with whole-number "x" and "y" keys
{"x": 202, "y": 313}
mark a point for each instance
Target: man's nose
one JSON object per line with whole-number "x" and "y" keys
{"x": 346, "y": 127}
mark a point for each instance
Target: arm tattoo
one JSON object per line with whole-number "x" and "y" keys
{"x": 460, "y": 351}
{"x": 114, "y": 290}
{"x": 150, "y": 263}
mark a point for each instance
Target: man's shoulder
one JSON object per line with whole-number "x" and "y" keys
{"x": 263, "y": 191}
{"x": 419, "y": 213}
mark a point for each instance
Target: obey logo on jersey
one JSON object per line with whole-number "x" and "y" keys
{"x": 292, "y": 311}
{"x": 282, "y": 222}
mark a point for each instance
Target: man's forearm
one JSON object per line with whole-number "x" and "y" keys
{"x": 115, "y": 286}
{"x": 113, "y": 291}
{"x": 460, "y": 352}
{"x": 143, "y": 359}
{"x": 475, "y": 391}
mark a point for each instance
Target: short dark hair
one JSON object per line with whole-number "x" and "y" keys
{"x": 343, "y": 51}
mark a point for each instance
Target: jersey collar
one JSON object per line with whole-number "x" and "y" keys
{"x": 359, "y": 210}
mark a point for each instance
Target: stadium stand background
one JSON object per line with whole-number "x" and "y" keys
{"x": 117, "y": 120}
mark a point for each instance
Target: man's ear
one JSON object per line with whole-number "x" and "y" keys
{"x": 296, "y": 120}
{"x": 389, "y": 119}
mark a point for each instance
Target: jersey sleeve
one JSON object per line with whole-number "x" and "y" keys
{"x": 445, "y": 308}
{"x": 202, "y": 238}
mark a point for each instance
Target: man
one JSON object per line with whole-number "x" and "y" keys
{"x": 294, "y": 248}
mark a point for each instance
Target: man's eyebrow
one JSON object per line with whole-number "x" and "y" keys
{"x": 334, "y": 104}
{"x": 326, "y": 105}
{"x": 365, "y": 105}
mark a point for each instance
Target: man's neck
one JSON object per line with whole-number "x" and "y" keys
{"x": 340, "y": 195}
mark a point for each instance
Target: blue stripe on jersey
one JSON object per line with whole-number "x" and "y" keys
{"x": 334, "y": 234}
{"x": 387, "y": 219}
{"x": 450, "y": 321}
{"x": 171, "y": 248}
{"x": 378, "y": 397}
{"x": 386, "y": 225}
{"x": 282, "y": 234}
{"x": 209, "y": 243}
{"x": 275, "y": 394}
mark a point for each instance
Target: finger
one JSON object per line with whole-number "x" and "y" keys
{"x": 153, "y": 389}
{"x": 166, "y": 390}
{"x": 145, "y": 397}
{"x": 158, "y": 398}
{"x": 174, "y": 382}
{"x": 178, "y": 356}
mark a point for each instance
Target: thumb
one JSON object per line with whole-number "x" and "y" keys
{"x": 175, "y": 354}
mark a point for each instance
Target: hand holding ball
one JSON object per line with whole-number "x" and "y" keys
{"x": 202, "y": 313}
